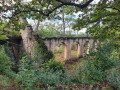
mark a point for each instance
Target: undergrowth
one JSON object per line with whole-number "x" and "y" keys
{"x": 101, "y": 66}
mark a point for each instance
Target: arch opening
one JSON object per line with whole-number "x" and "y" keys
{"x": 74, "y": 50}
{"x": 59, "y": 52}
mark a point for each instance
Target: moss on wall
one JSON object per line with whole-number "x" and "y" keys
{"x": 42, "y": 51}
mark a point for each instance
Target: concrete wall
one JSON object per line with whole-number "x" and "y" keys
{"x": 68, "y": 42}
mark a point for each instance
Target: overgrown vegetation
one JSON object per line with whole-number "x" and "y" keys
{"x": 5, "y": 61}
{"x": 31, "y": 76}
{"x": 52, "y": 30}
{"x": 96, "y": 69}
{"x": 101, "y": 66}
{"x": 41, "y": 51}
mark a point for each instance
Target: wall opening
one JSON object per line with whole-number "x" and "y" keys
{"x": 74, "y": 50}
{"x": 59, "y": 52}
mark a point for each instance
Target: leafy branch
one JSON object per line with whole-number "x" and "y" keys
{"x": 55, "y": 8}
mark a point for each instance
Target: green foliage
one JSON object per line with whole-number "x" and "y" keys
{"x": 113, "y": 79}
{"x": 34, "y": 9}
{"x": 61, "y": 48}
{"x": 5, "y": 60}
{"x": 42, "y": 53}
{"x": 54, "y": 31}
{"x": 26, "y": 73}
{"x": 51, "y": 31}
{"x": 54, "y": 66}
{"x": 5, "y": 81}
{"x": 10, "y": 32}
{"x": 102, "y": 21}
{"x": 95, "y": 68}
{"x": 2, "y": 36}
{"x": 32, "y": 76}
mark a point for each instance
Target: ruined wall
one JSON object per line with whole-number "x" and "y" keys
{"x": 28, "y": 38}
{"x": 15, "y": 47}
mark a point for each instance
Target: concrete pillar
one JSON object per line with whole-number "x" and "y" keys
{"x": 53, "y": 45}
{"x": 67, "y": 52}
{"x": 80, "y": 48}
{"x": 90, "y": 44}
{"x": 88, "y": 48}
{"x": 48, "y": 44}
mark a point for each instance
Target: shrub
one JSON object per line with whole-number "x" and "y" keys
{"x": 41, "y": 51}
{"x": 32, "y": 76}
{"x": 54, "y": 65}
{"x": 5, "y": 60}
{"x": 95, "y": 68}
{"x": 40, "y": 79}
{"x": 113, "y": 79}
{"x": 5, "y": 81}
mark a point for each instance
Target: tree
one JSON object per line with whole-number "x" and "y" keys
{"x": 18, "y": 10}
{"x": 102, "y": 21}
{"x": 37, "y": 9}
{"x": 37, "y": 26}
{"x": 2, "y": 36}
{"x": 50, "y": 30}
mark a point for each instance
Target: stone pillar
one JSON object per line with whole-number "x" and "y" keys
{"x": 48, "y": 44}
{"x": 53, "y": 45}
{"x": 28, "y": 37}
{"x": 90, "y": 44}
{"x": 80, "y": 48}
{"x": 88, "y": 47}
{"x": 67, "y": 53}
{"x": 68, "y": 45}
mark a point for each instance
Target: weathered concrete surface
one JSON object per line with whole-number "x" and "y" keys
{"x": 52, "y": 42}
{"x": 28, "y": 42}
{"x": 28, "y": 38}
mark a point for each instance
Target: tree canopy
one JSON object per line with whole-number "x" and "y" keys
{"x": 36, "y": 8}
{"x": 102, "y": 20}
{"x": 11, "y": 10}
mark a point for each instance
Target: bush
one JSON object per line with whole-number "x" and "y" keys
{"x": 5, "y": 81}
{"x": 113, "y": 79}
{"x": 39, "y": 79}
{"x": 32, "y": 76}
{"x": 95, "y": 68}
{"x": 54, "y": 66}
{"x": 41, "y": 51}
{"x": 5, "y": 60}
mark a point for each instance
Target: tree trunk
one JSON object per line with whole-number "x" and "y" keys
{"x": 63, "y": 22}
{"x": 37, "y": 26}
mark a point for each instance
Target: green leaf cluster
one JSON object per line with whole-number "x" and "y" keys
{"x": 102, "y": 20}
{"x": 5, "y": 60}
{"x": 95, "y": 68}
